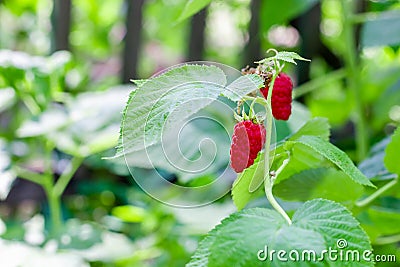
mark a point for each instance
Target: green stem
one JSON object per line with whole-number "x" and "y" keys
{"x": 353, "y": 80}
{"x": 29, "y": 175}
{"x": 268, "y": 182}
{"x": 66, "y": 176}
{"x": 366, "y": 16}
{"x": 267, "y": 146}
{"x": 384, "y": 240}
{"x": 376, "y": 194}
{"x": 268, "y": 192}
{"x": 54, "y": 210}
{"x": 54, "y": 201}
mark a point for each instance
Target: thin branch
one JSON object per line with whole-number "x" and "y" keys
{"x": 66, "y": 176}
{"x": 29, "y": 175}
{"x": 376, "y": 194}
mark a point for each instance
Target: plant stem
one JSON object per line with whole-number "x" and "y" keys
{"x": 48, "y": 186}
{"x": 268, "y": 183}
{"x": 267, "y": 146}
{"x": 66, "y": 176}
{"x": 268, "y": 192}
{"x": 376, "y": 194}
{"x": 29, "y": 175}
{"x": 54, "y": 210}
{"x": 384, "y": 240}
{"x": 353, "y": 79}
{"x": 366, "y": 16}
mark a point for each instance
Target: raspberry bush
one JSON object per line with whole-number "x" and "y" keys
{"x": 303, "y": 166}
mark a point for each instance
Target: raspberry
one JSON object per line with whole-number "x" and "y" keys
{"x": 247, "y": 140}
{"x": 281, "y": 100}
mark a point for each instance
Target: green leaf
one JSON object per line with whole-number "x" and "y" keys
{"x": 391, "y": 158}
{"x": 289, "y": 57}
{"x": 383, "y": 221}
{"x": 192, "y": 7}
{"x": 315, "y": 127}
{"x": 288, "y": 9}
{"x": 285, "y": 56}
{"x": 384, "y": 103}
{"x": 334, "y": 155}
{"x": 200, "y": 257}
{"x": 301, "y": 158}
{"x": 242, "y": 86}
{"x": 373, "y": 167}
{"x": 384, "y": 30}
{"x": 317, "y": 226}
{"x": 247, "y": 232}
{"x": 81, "y": 127}
{"x": 202, "y": 145}
{"x": 318, "y": 183}
{"x": 50, "y": 121}
{"x": 241, "y": 193}
{"x": 334, "y": 222}
{"x": 164, "y": 102}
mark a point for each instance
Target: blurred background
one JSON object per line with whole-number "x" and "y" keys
{"x": 65, "y": 71}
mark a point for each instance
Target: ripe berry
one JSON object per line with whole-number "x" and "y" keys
{"x": 281, "y": 100}
{"x": 247, "y": 140}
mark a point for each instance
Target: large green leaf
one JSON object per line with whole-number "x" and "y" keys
{"x": 336, "y": 224}
{"x": 244, "y": 236}
{"x": 288, "y": 9}
{"x": 334, "y": 155}
{"x": 192, "y": 7}
{"x": 384, "y": 30}
{"x": 391, "y": 158}
{"x": 318, "y": 183}
{"x": 163, "y": 102}
{"x": 199, "y": 147}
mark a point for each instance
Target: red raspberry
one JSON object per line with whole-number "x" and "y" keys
{"x": 281, "y": 100}
{"x": 247, "y": 140}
